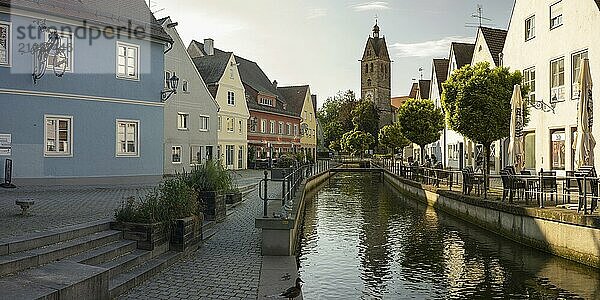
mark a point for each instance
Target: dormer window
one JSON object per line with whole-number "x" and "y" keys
{"x": 265, "y": 101}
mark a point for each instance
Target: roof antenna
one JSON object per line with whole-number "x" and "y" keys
{"x": 421, "y": 72}
{"x": 479, "y": 16}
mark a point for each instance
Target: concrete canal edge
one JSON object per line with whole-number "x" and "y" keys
{"x": 280, "y": 242}
{"x": 565, "y": 234}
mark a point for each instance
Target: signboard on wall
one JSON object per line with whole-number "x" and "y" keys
{"x": 5, "y": 144}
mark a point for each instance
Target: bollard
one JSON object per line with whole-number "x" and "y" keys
{"x": 266, "y": 198}
{"x": 283, "y": 188}
{"x": 8, "y": 175}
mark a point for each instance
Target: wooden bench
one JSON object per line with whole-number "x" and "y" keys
{"x": 25, "y": 204}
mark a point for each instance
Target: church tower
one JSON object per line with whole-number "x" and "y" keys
{"x": 375, "y": 76}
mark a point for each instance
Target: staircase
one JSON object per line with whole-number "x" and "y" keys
{"x": 85, "y": 261}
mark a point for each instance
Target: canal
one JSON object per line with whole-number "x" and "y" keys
{"x": 361, "y": 239}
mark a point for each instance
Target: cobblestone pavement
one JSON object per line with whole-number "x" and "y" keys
{"x": 60, "y": 206}
{"x": 227, "y": 266}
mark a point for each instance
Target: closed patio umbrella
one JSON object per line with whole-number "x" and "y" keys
{"x": 584, "y": 141}
{"x": 516, "y": 155}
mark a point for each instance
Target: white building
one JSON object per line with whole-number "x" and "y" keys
{"x": 547, "y": 40}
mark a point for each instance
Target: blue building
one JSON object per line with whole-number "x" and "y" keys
{"x": 80, "y": 91}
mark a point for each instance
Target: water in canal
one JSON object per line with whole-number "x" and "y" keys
{"x": 362, "y": 240}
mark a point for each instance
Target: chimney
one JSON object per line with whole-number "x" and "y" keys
{"x": 275, "y": 83}
{"x": 209, "y": 46}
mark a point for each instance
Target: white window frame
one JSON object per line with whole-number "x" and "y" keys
{"x": 528, "y": 81}
{"x": 186, "y": 118}
{"x": 180, "y": 154}
{"x": 69, "y": 140}
{"x": 575, "y": 92}
{"x": 241, "y": 124}
{"x": 137, "y": 61}
{"x": 561, "y": 88}
{"x": 288, "y": 129}
{"x": 220, "y": 125}
{"x": 263, "y": 125}
{"x": 167, "y": 77}
{"x": 193, "y": 156}
{"x": 530, "y": 32}
{"x": 204, "y": 120}
{"x": 137, "y": 138}
{"x": 280, "y": 128}
{"x": 8, "y": 27}
{"x": 295, "y": 129}
{"x": 231, "y": 98}
{"x": 272, "y": 127}
{"x": 230, "y": 121}
{"x": 185, "y": 86}
{"x": 558, "y": 17}
{"x": 229, "y": 159}
{"x": 70, "y": 49}
{"x": 240, "y": 157}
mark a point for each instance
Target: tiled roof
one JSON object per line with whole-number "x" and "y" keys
{"x": 294, "y": 97}
{"x": 440, "y": 65}
{"x": 379, "y": 46}
{"x": 463, "y": 53}
{"x": 495, "y": 39}
{"x": 413, "y": 91}
{"x": 398, "y": 101}
{"x": 598, "y": 3}
{"x": 101, "y": 12}
{"x": 424, "y": 88}
{"x": 212, "y": 67}
{"x": 252, "y": 75}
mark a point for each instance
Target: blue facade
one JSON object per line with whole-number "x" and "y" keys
{"x": 93, "y": 97}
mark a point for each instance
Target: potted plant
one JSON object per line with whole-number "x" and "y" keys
{"x": 210, "y": 180}
{"x": 185, "y": 216}
{"x": 233, "y": 195}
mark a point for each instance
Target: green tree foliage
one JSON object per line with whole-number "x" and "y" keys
{"x": 420, "y": 122}
{"x": 356, "y": 142}
{"x": 365, "y": 117}
{"x": 391, "y": 137}
{"x": 477, "y": 102}
{"x": 335, "y": 117}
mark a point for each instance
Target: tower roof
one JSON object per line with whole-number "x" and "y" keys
{"x": 376, "y": 30}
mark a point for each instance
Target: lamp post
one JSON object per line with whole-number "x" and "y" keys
{"x": 172, "y": 84}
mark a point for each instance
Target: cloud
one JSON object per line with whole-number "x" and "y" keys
{"x": 314, "y": 13}
{"x": 372, "y": 5}
{"x": 428, "y": 48}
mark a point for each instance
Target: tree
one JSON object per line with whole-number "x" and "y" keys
{"x": 365, "y": 117}
{"x": 420, "y": 122}
{"x": 357, "y": 141}
{"x": 391, "y": 137}
{"x": 335, "y": 116}
{"x": 477, "y": 101}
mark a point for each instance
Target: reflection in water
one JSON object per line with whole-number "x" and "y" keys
{"x": 362, "y": 240}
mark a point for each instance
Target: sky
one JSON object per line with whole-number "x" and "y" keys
{"x": 319, "y": 43}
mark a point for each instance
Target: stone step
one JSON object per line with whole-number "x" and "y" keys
{"x": 126, "y": 281}
{"x": 59, "y": 280}
{"x": 40, "y": 239}
{"x": 126, "y": 262}
{"x": 32, "y": 258}
{"x": 105, "y": 253}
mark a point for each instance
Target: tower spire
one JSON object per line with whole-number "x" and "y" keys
{"x": 376, "y": 28}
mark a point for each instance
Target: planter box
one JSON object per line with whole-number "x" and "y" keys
{"x": 186, "y": 234}
{"x": 233, "y": 198}
{"x": 277, "y": 173}
{"x": 148, "y": 236}
{"x": 214, "y": 206}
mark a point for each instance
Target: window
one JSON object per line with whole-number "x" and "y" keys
{"x": 209, "y": 152}
{"x": 182, "y": 121}
{"x": 128, "y": 61}
{"x": 241, "y": 157}
{"x": 229, "y": 149}
{"x": 167, "y": 82}
{"x": 195, "y": 155}
{"x": 573, "y": 146}
{"x": 295, "y": 129}
{"x": 288, "y": 130}
{"x": 263, "y": 126}
{"x": 556, "y": 11}
{"x": 265, "y": 101}
{"x": 310, "y": 117}
{"x": 576, "y": 64}
{"x": 557, "y": 80}
{"x": 240, "y": 128}
{"x": 557, "y": 156}
{"x": 272, "y": 127}
{"x": 65, "y": 59}
{"x": 58, "y": 135}
{"x": 185, "y": 87}
{"x": 127, "y": 138}
{"x": 4, "y": 44}
{"x": 529, "y": 80}
{"x": 204, "y": 121}
{"x": 230, "y": 124}
{"x": 176, "y": 154}
{"x": 231, "y": 98}
{"x": 529, "y": 139}
{"x": 220, "y": 123}
{"x": 280, "y": 128}
{"x": 530, "y": 28}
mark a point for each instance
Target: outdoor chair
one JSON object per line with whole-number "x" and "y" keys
{"x": 569, "y": 186}
{"x": 548, "y": 185}
{"x": 530, "y": 185}
{"x": 587, "y": 184}
{"x": 505, "y": 184}
{"x": 511, "y": 184}
{"x": 470, "y": 181}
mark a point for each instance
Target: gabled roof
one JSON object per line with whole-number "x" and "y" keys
{"x": 101, "y": 12}
{"x": 414, "y": 89}
{"x": 440, "y": 66}
{"x": 379, "y": 47}
{"x": 463, "y": 53}
{"x": 252, "y": 75}
{"x": 212, "y": 67}
{"x": 398, "y": 101}
{"x": 495, "y": 39}
{"x": 294, "y": 97}
{"x": 424, "y": 88}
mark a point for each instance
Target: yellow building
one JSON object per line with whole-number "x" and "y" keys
{"x": 299, "y": 101}
{"x": 219, "y": 70}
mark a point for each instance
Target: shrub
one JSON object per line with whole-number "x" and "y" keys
{"x": 210, "y": 176}
{"x": 286, "y": 161}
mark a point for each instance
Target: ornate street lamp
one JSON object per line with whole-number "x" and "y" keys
{"x": 541, "y": 105}
{"x": 54, "y": 48}
{"x": 172, "y": 84}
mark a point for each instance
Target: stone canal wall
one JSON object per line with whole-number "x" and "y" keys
{"x": 563, "y": 233}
